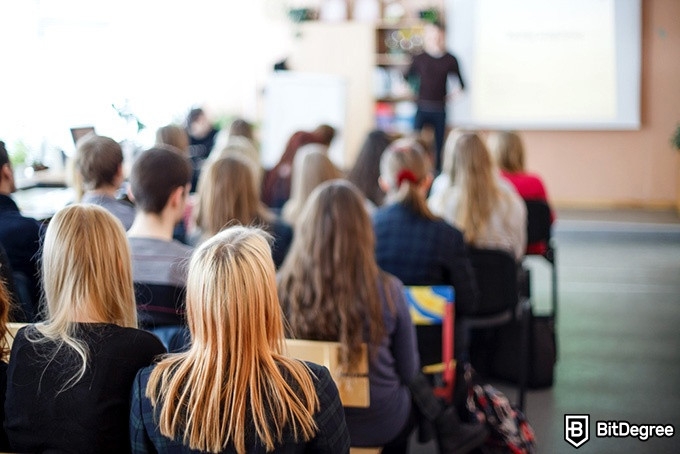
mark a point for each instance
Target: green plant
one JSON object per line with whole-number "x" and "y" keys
{"x": 675, "y": 140}
{"x": 20, "y": 153}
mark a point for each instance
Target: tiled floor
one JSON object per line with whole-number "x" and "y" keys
{"x": 619, "y": 329}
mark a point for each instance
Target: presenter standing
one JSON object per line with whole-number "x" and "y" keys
{"x": 431, "y": 69}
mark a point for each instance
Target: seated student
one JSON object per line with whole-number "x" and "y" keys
{"x": 99, "y": 162}
{"x": 365, "y": 172}
{"x": 276, "y": 182}
{"x": 69, "y": 378}
{"x": 234, "y": 390}
{"x": 411, "y": 242}
{"x": 160, "y": 198}
{"x": 20, "y": 237}
{"x": 228, "y": 195}
{"x": 507, "y": 149}
{"x": 486, "y": 208}
{"x": 311, "y": 167}
{"x": 332, "y": 289}
{"x": 174, "y": 136}
{"x": 202, "y": 133}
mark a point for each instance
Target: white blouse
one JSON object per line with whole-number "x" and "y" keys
{"x": 507, "y": 226}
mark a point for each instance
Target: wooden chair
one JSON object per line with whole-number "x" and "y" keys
{"x": 431, "y": 306}
{"x": 353, "y": 388}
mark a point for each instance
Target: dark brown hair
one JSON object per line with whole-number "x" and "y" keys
{"x": 155, "y": 174}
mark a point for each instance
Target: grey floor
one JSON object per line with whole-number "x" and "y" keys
{"x": 618, "y": 328}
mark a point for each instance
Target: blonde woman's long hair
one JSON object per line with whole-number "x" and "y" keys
{"x": 474, "y": 172}
{"x": 403, "y": 167}
{"x": 311, "y": 167}
{"x": 234, "y": 371}
{"x": 329, "y": 282}
{"x": 228, "y": 195}
{"x": 507, "y": 149}
{"x": 87, "y": 276}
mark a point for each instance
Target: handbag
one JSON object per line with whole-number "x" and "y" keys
{"x": 542, "y": 352}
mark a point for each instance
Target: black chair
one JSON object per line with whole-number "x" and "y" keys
{"x": 539, "y": 231}
{"x": 161, "y": 311}
{"x": 500, "y": 305}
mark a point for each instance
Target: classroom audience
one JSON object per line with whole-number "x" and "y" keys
{"x": 485, "y": 207}
{"x": 365, "y": 172}
{"x": 20, "y": 237}
{"x": 234, "y": 390}
{"x": 160, "y": 199}
{"x": 69, "y": 378}
{"x": 311, "y": 167}
{"x": 99, "y": 163}
{"x": 332, "y": 289}
{"x": 508, "y": 151}
{"x": 227, "y": 195}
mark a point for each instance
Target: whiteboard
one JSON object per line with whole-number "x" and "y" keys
{"x": 547, "y": 64}
{"x": 297, "y": 101}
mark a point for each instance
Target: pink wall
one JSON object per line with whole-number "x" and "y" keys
{"x": 623, "y": 168}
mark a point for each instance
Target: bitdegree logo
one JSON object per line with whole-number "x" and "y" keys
{"x": 623, "y": 429}
{"x": 577, "y": 430}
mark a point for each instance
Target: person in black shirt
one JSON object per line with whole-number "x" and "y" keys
{"x": 432, "y": 68}
{"x": 69, "y": 378}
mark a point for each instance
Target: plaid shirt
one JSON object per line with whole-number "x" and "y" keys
{"x": 332, "y": 436}
{"x": 420, "y": 251}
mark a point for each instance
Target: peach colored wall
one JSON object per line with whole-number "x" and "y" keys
{"x": 623, "y": 168}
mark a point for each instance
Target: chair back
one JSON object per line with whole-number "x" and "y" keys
{"x": 432, "y": 311}
{"x": 159, "y": 305}
{"x": 353, "y": 388}
{"x": 539, "y": 221}
{"x": 496, "y": 273}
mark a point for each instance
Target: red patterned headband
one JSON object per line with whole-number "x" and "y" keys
{"x": 406, "y": 175}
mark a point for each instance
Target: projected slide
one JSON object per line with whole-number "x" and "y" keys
{"x": 563, "y": 64}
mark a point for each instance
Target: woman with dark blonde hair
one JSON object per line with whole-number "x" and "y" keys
{"x": 69, "y": 378}
{"x": 508, "y": 151}
{"x": 484, "y": 207}
{"x": 311, "y": 167}
{"x": 411, "y": 242}
{"x": 228, "y": 195}
{"x": 332, "y": 289}
{"x": 234, "y": 390}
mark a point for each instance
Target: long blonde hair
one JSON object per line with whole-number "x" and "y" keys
{"x": 474, "y": 172}
{"x": 311, "y": 167}
{"x": 403, "y": 166}
{"x": 234, "y": 371}
{"x": 227, "y": 194}
{"x": 87, "y": 272}
{"x": 329, "y": 282}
